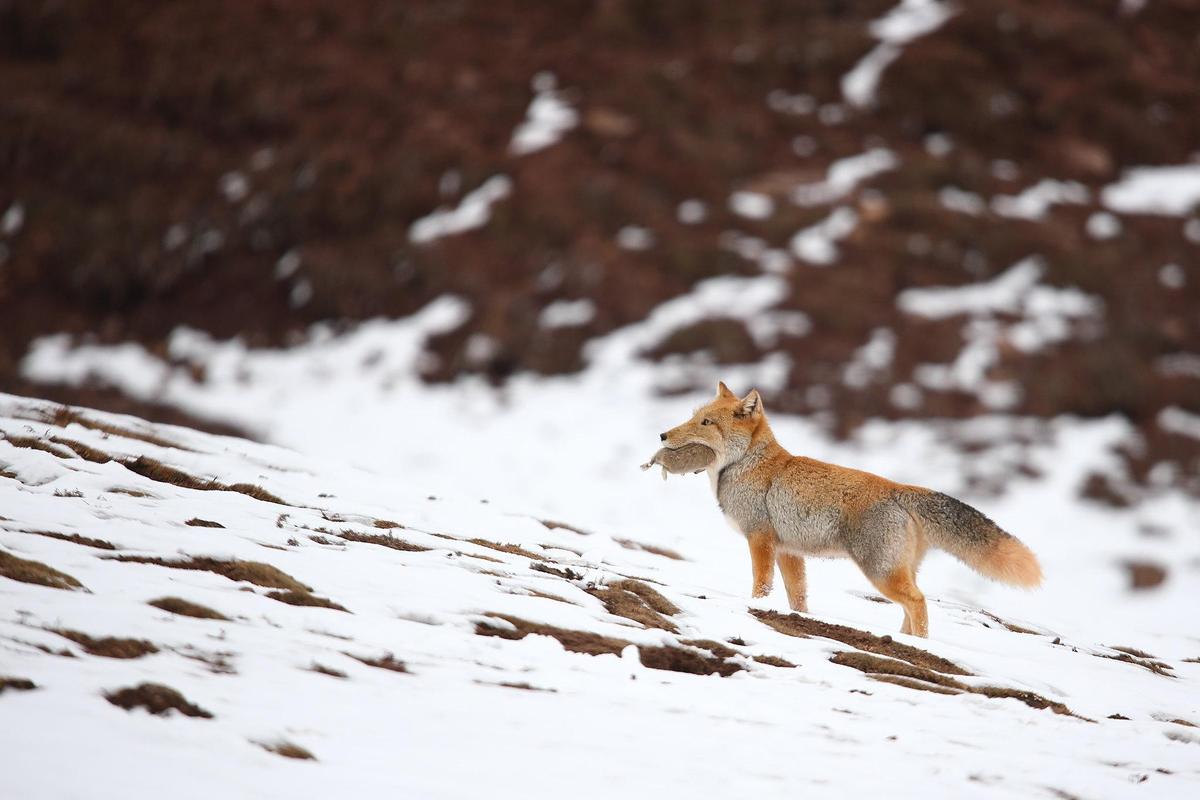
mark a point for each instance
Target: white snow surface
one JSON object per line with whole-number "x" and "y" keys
{"x": 1169, "y": 191}
{"x": 356, "y": 438}
{"x": 546, "y": 121}
{"x": 473, "y": 211}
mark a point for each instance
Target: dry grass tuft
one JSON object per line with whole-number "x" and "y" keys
{"x": 293, "y": 598}
{"x": 160, "y": 472}
{"x": 564, "y": 573}
{"x": 516, "y": 550}
{"x": 35, "y": 572}
{"x": 86, "y": 541}
{"x": 386, "y": 661}
{"x": 386, "y": 524}
{"x": 186, "y": 608}
{"x": 636, "y": 601}
{"x": 34, "y": 443}
{"x": 65, "y": 415}
{"x": 16, "y": 684}
{"x": 324, "y": 670}
{"x": 384, "y": 540}
{"x": 196, "y": 522}
{"x": 802, "y": 626}
{"x": 676, "y": 659}
{"x": 554, "y": 524}
{"x": 84, "y": 451}
{"x": 288, "y": 750}
{"x": 155, "y": 698}
{"x": 630, "y": 544}
{"x": 109, "y": 646}
{"x": 255, "y": 572}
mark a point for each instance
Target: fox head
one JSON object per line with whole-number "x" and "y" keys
{"x": 726, "y": 424}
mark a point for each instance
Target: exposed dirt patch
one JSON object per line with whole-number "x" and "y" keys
{"x": 576, "y": 641}
{"x": 158, "y": 471}
{"x": 565, "y": 573}
{"x": 255, "y": 572}
{"x": 515, "y": 685}
{"x": 871, "y": 664}
{"x": 155, "y": 698}
{"x": 196, "y": 522}
{"x": 774, "y": 661}
{"x": 918, "y": 677}
{"x": 555, "y": 524}
{"x": 384, "y": 540}
{"x": 186, "y": 608}
{"x": 16, "y": 684}
{"x": 109, "y": 646}
{"x": 1144, "y": 574}
{"x": 677, "y": 659}
{"x": 26, "y": 571}
{"x": 86, "y": 541}
{"x": 324, "y": 670}
{"x": 910, "y": 683}
{"x": 293, "y": 598}
{"x": 797, "y": 625}
{"x": 1145, "y": 661}
{"x": 714, "y": 647}
{"x": 628, "y": 604}
{"x": 287, "y": 750}
{"x": 386, "y": 661}
{"x": 630, "y": 544}
{"x": 1012, "y": 626}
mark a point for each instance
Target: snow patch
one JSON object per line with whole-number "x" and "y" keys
{"x": 909, "y": 20}
{"x": 844, "y": 176}
{"x": 567, "y": 313}
{"x": 548, "y": 118}
{"x": 818, "y": 244}
{"x": 1167, "y": 191}
{"x": 472, "y": 212}
{"x": 1034, "y": 202}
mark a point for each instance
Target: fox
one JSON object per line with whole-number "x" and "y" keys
{"x": 791, "y": 507}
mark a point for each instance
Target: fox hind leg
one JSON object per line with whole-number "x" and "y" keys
{"x": 899, "y": 587}
{"x": 791, "y": 567}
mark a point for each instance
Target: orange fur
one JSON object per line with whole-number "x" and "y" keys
{"x": 1012, "y": 562}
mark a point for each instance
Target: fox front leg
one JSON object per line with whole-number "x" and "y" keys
{"x": 762, "y": 562}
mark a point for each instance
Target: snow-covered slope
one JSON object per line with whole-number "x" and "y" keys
{"x": 469, "y": 648}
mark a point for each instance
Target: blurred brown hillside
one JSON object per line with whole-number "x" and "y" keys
{"x": 251, "y": 167}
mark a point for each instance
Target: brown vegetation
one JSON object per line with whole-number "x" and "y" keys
{"x": 804, "y": 626}
{"x": 109, "y": 646}
{"x": 157, "y": 699}
{"x": 255, "y": 572}
{"x": 86, "y": 541}
{"x": 26, "y": 571}
{"x": 186, "y": 608}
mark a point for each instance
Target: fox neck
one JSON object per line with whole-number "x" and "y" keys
{"x": 758, "y": 445}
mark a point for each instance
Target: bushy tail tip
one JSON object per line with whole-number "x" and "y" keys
{"x": 1010, "y": 561}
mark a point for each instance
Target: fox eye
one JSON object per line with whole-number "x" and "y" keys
{"x": 706, "y": 421}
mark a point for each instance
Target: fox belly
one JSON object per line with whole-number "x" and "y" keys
{"x": 805, "y": 530}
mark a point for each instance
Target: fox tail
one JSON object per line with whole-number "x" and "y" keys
{"x": 968, "y": 535}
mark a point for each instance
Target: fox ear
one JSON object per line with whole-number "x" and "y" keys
{"x": 723, "y": 390}
{"x": 751, "y": 404}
